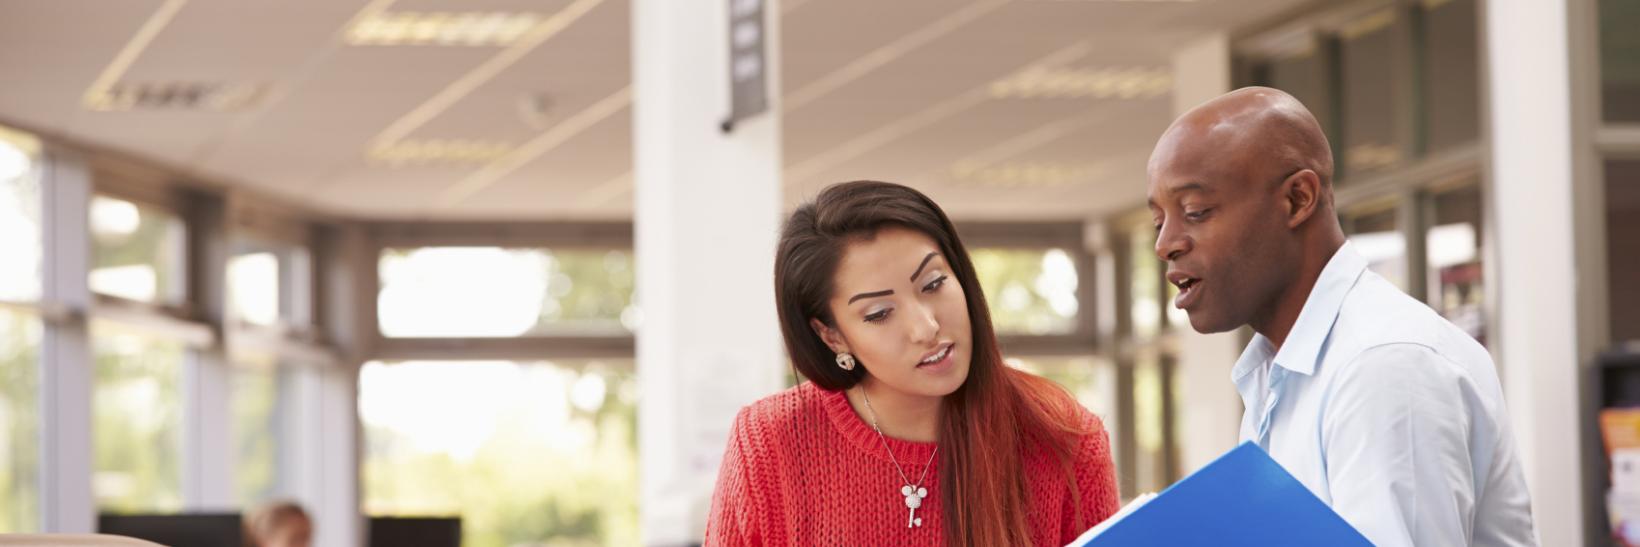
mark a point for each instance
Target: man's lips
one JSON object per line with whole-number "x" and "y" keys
{"x": 1189, "y": 287}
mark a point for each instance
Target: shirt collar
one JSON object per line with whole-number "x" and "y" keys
{"x": 1315, "y": 321}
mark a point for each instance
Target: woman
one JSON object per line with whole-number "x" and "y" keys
{"x": 910, "y": 430}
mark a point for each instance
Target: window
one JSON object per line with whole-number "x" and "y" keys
{"x": 1377, "y": 236}
{"x": 1030, "y": 291}
{"x": 524, "y": 453}
{"x": 1622, "y": 230}
{"x": 1370, "y": 59}
{"x": 1620, "y": 60}
{"x": 19, "y": 421}
{"x": 1089, "y": 378}
{"x": 1145, "y": 283}
{"x": 137, "y": 252}
{"x": 1150, "y": 426}
{"x": 136, "y": 420}
{"x": 1450, "y": 74}
{"x": 486, "y": 292}
{"x": 254, "y": 383}
{"x": 1453, "y": 245}
{"x": 20, "y": 239}
{"x": 253, "y": 288}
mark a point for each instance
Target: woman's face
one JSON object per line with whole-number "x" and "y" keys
{"x": 902, "y": 313}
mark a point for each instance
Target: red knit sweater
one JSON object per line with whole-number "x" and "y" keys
{"x": 802, "y": 468}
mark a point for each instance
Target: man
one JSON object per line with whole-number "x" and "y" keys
{"x": 1383, "y": 409}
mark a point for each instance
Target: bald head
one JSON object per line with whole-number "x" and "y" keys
{"x": 1258, "y": 133}
{"x": 1241, "y": 195}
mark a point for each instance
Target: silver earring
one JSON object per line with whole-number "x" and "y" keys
{"x": 845, "y": 361}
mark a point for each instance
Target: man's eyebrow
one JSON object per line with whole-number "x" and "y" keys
{"x": 1192, "y": 187}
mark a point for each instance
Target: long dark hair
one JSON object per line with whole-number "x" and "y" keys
{"x": 986, "y": 425}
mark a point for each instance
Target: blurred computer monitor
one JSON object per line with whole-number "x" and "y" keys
{"x": 415, "y": 531}
{"x": 181, "y": 530}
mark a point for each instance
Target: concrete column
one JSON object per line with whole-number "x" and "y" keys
{"x": 1529, "y": 121}
{"x": 707, "y": 216}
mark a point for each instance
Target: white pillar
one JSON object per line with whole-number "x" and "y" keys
{"x": 1530, "y": 123}
{"x": 66, "y": 502}
{"x": 321, "y": 458}
{"x": 706, "y": 218}
{"x": 1209, "y": 408}
{"x": 319, "y": 452}
{"x": 208, "y": 455}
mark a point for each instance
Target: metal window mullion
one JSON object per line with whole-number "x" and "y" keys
{"x": 1413, "y": 211}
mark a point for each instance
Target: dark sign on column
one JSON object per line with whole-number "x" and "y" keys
{"x": 747, "y": 82}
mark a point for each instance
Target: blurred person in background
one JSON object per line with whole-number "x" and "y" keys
{"x": 910, "y": 430}
{"x": 279, "y": 524}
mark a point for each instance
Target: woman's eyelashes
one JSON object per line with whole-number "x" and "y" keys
{"x": 931, "y": 287}
{"x": 935, "y": 284}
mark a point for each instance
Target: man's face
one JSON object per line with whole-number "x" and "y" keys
{"x": 1220, "y": 229}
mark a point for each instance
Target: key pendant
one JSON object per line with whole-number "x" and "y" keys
{"x": 913, "y": 501}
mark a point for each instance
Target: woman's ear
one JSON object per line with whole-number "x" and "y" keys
{"x": 832, "y": 337}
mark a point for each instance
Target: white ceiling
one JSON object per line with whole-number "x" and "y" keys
{"x": 891, "y": 90}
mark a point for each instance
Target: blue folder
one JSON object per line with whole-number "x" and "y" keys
{"x": 1242, "y": 498}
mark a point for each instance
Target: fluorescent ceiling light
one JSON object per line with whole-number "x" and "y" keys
{"x": 1081, "y": 83}
{"x": 439, "y": 151}
{"x": 217, "y": 96}
{"x": 408, "y": 28}
{"x": 1025, "y": 174}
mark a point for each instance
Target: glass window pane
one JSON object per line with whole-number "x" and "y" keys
{"x": 20, "y": 239}
{"x": 1149, "y": 423}
{"x": 1377, "y": 236}
{"x": 496, "y": 292}
{"x": 253, "y": 288}
{"x": 137, "y": 252}
{"x": 1145, "y": 284}
{"x": 136, "y": 420}
{"x": 255, "y": 400}
{"x": 1030, "y": 291}
{"x": 1453, "y": 244}
{"x": 1620, "y": 60}
{"x": 1089, "y": 378}
{"x": 1622, "y": 230}
{"x": 1370, "y": 53}
{"x": 19, "y": 421}
{"x": 541, "y": 453}
{"x": 1451, "y": 76}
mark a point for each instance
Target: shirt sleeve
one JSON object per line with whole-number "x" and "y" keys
{"x": 732, "y": 521}
{"x": 1396, "y": 434}
{"x": 1095, "y": 474}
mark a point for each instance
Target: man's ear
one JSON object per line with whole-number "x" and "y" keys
{"x": 832, "y": 337}
{"x": 1301, "y": 192}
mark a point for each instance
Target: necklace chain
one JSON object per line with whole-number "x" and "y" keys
{"x": 891, "y": 457}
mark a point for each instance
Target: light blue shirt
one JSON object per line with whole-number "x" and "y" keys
{"x": 1390, "y": 414}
